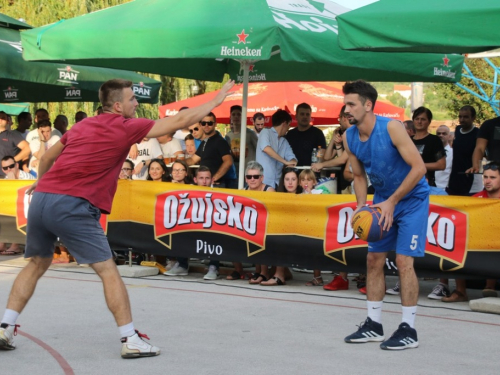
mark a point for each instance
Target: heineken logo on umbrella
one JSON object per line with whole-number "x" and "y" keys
{"x": 141, "y": 90}
{"x": 10, "y": 95}
{"x": 254, "y": 75}
{"x": 445, "y": 72}
{"x": 68, "y": 75}
{"x": 241, "y": 51}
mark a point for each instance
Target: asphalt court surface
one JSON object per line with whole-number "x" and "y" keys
{"x": 227, "y": 327}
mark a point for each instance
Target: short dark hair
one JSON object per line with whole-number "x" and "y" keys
{"x": 202, "y": 168}
{"x": 363, "y": 89}
{"x": 342, "y": 111}
{"x": 165, "y": 176}
{"x": 303, "y": 106}
{"x": 189, "y": 137}
{"x": 8, "y": 157}
{"x": 211, "y": 114}
{"x": 258, "y": 116}
{"x": 130, "y": 162}
{"x": 409, "y": 125}
{"x": 41, "y": 110}
{"x": 280, "y": 116}
{"x": 236, "y": 106}
{"x": 23, "y": 116}
{"x": 421, "y": 110}
{"x": 43, "y": 124}
{"x": 112, "y": 91}
{"x": 469, "y": 108}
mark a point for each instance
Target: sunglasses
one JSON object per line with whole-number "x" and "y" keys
{"x": 12, "y": 166}
{"x": 254, "y": 176}
{"x": 207, "y": 123}
{"x": 193, "y": 130}
{"x": 493, "y": 167}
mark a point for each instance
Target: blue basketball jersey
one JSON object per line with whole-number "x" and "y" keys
{"x": 382, "y": 161}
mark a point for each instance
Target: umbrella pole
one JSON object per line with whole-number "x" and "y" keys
{"x": 243, "y": 135}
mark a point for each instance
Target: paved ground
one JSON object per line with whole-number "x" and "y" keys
{"x": 228, "y": 327}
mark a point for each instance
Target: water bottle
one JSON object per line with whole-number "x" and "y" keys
{"x": 321, "y": 154}
{"x": 314, "y": 156}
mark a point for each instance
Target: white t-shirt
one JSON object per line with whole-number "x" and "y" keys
{"x": 147, "y": 150}
{"x": 35, "y": 147}
{"x": 442, "y": 177}
{"x": 33, "y": 135}
{"x": 170, "y": 148}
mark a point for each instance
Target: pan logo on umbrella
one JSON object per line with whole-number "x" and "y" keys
{"x": 304, "y": 14}
{"x": 245, "y": 51}
{"x": 445, "y": 72}
{"x": 68, "y": 75}
{"x": 10, "y": 95}
{"x": 141, "y": 90}
{"x": 72, "y": 93}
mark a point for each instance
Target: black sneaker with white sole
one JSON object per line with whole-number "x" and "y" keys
{"x": 405, "y": 337}
{"x": 367, "y": 331}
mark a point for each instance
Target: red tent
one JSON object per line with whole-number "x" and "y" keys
{"x": 325, "y": 99}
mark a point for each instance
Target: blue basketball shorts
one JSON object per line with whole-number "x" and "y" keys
{"x": 74, "y": 220}
{"x": 408, "y": 233}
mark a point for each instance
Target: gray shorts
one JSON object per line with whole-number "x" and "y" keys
{"x": 74, "y": 220}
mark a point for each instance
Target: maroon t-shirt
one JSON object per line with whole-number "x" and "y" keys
{"x": 92, "y": 157}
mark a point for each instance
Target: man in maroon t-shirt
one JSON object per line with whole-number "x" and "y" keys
{"x": 491, "y": 181}
{"x": 73, "y": 190}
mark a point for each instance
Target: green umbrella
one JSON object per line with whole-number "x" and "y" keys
{"x": 460, "y": 26}
{"x": 22, "y": 81}
{"x": 259, "y": 40}
{"x": 14, "y": 109}
{"x": 12, "y": 23}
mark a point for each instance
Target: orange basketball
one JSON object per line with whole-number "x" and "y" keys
{"x": 365, "y": 224}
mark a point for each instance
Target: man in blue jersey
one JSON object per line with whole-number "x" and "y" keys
{"x": 382, "y": 148}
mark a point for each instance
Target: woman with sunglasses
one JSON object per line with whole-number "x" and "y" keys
{"x": 181, "y": 173}
{"x": 158, "y": 171}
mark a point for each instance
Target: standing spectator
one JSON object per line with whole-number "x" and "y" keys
{"x": 61, "y": 124}
{"x": 214, "y": 152}
{"x": 79, "y": 116}
{"x": 428, "y": 145}
{"x": 11, "y": 143}
{"x": 442, "y": 177}
{"x": 12, "y": 172}
{"x": 233, "y": 138}
{"x": 491, "y": 180}
{"x": 487, "y": 144}
{"x": 147, "y": 150}
{"x": 24, "y": 122}
{"x": 305, "y": 137}
{"x": 273, "y": 150}
{"x": 259, "y": 120}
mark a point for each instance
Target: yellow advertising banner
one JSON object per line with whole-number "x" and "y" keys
{"x": 310, "y": 231}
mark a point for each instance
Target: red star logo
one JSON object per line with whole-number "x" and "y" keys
{"x": 250, "y": 68}
{"x": 446, "y": 60}
{"x": 242, "y": 37}
{"x": 68, "y": 68}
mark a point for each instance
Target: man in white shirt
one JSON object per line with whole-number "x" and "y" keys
{"x": 442, "y": 177}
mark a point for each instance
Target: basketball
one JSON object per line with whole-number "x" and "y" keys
{"x": 365, "y": 224}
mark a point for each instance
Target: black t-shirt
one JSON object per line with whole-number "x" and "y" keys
{"x": 463, "y": 148}
{"x": 303, "y": 143}
{"x": 490, "y": 130}
{"x": 431, "y": 148}
{"x": 211, "y": 150}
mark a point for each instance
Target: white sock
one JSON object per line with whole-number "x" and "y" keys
{"x": 409, "y": 314}
{"x": 127, "y": 330}
{"x": 10, "y": 317}
{"x": 375, "y": 310}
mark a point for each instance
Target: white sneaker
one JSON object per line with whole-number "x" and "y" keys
{"x": 212, "y": 273}
{"x": 170, "y": 264}
{"x": 7, "y": 337}
{"x": 135, "y": 347}
{"x": 176, "y": 271}
{"x": 441, "y": 290}
{"x": 394, "y": 291}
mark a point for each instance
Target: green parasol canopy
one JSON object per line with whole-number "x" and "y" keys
{"x": 459, "y": 26}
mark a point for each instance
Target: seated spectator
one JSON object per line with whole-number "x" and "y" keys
{"x": 289, "y": 183}
{"x": 158, "y": 171}
{"x": 181, "y": 172}
{"x": 142, "y": 154}
{"x": 12, "y": 172}
{"x": 40, "y": 144}
{"x": 127, "y": 169}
